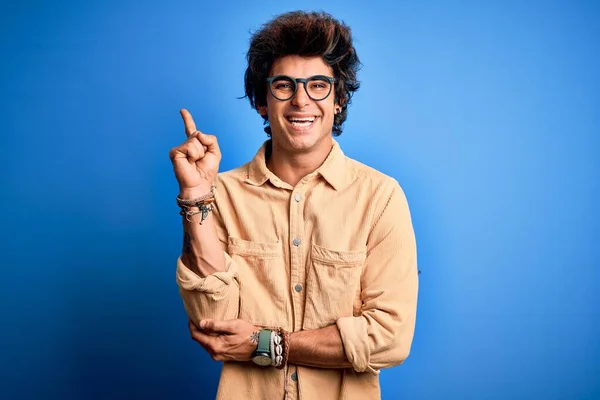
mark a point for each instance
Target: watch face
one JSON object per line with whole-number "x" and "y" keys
{"x": 262, "y": 360}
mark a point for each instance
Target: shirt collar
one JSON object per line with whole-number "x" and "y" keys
{"x": 333, "y": 169}
{"x": 258, "y": 173}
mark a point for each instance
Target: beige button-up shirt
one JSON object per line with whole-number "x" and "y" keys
{"x": 338, "y": 248}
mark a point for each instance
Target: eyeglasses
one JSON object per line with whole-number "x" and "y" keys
{"x": 284, "y": 87}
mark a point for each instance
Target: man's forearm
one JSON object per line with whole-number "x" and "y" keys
{"x": 202, "y": 251}
{"x": 321, "y": 348}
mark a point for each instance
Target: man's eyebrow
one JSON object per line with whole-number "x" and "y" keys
{"x": 306, "y": 76}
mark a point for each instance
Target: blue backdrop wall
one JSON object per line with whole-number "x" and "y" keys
{"x": 487, "y": 114}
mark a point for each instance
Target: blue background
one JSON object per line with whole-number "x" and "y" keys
{"x": 486, "y": 113}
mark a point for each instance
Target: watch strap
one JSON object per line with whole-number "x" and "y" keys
{"x": 264, "y": 341}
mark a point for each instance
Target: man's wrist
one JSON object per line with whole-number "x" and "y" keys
{"x": 272, "y": 348}
{"x": 198, "y": 191}
{"x": 254, "y": 341}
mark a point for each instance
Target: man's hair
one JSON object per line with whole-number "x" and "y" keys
{"x": 305, "y": 34}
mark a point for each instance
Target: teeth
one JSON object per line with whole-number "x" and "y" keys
{"x": 301, "y": 123}
{"x": 311, "y": 120}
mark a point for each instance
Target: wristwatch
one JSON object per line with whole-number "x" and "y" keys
{"x": 262, "y": 354}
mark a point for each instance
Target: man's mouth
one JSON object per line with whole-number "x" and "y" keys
{"x": 302, "y": 122}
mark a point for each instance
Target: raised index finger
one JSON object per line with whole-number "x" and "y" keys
{"x": 188, "y": 121}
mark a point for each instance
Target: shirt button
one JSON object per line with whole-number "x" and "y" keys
{"x": 298, "y": 288}
{"x": 294, "y": 377}
{"x": 297, "y": 242}
{"x": 297, "y": 197}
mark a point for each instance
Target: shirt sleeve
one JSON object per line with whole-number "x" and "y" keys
{"x": 215, "y": 296}
{"x": 382, "y": 335}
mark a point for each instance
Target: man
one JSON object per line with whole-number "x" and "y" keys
{"x": 298, "y": 269}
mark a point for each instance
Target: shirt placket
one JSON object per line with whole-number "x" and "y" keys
{"x": 297, "y": 250}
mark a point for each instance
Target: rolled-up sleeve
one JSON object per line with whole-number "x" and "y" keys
{"x": 215, "y": 296}
{"x": 382, "y": 335}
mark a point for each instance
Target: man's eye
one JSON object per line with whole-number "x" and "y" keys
{"x": 283, "y": 86}
{"x": 319, "y": 85}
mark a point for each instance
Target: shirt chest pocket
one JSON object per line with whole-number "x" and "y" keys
{"x": 263, "y": 280}
{"x": 332, "y": 285}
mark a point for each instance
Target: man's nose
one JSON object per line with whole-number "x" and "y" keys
{"x": 301, "y": 98}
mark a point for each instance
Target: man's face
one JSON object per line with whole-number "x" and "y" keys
{"x": 289, "y": 129}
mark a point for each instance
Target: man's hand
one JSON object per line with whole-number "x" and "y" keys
{"x": 196, "y": 161}
{"x": 233, "y": 340}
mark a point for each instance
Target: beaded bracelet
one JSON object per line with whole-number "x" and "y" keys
{"x": 203, "y": 203}
{"x": 197, "y": 200}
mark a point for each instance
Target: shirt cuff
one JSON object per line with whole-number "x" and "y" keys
{"x": 355, "y": 338}
{"x": 216, "y": 285}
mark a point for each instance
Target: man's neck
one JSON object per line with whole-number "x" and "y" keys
{"x": 291, "y": 167}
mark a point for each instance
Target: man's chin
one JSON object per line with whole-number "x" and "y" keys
{"x": 302, "y": 141}
{"x": 297, "y": 140}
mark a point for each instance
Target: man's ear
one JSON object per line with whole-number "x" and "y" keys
{"x": 337, "y": 107}
{"x": 262, "y": 110}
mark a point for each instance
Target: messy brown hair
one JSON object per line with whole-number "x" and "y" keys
{"x": 305, "y": 34}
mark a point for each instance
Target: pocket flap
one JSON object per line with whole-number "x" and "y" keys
{"x": 246, "y": 247}
{"x": 347, "y": 258}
